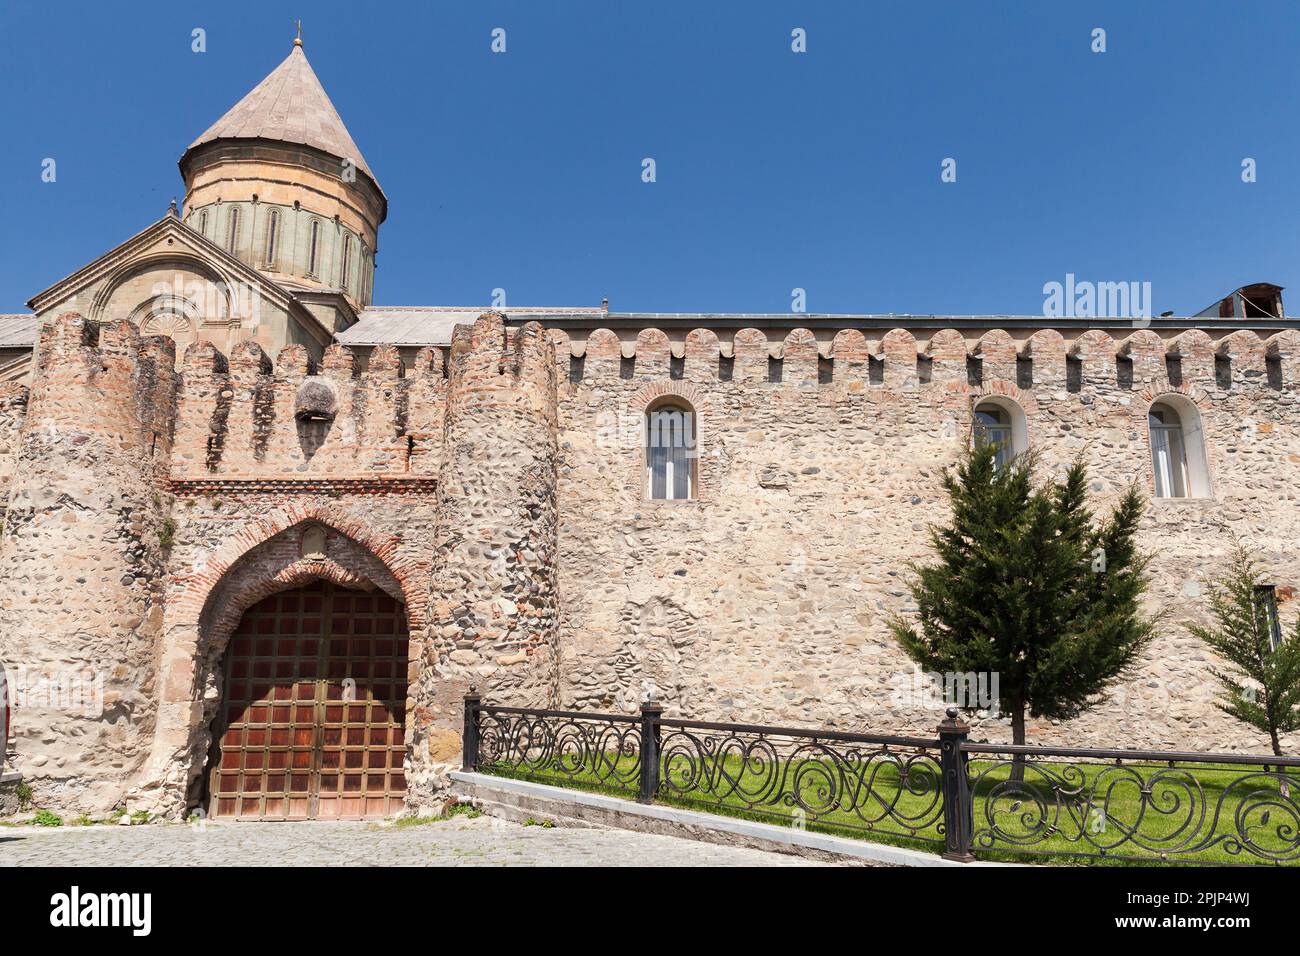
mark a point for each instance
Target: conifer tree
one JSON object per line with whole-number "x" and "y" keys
{"x": 1028, "y": 586}
{"x": 1262, "y": 686}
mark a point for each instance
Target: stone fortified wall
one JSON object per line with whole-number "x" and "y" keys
{"x": 464, "y": 485}
{"x": 13, "y": 409}
{"x": 130, "y": 557}
{"x": 766, "y": 599}
{"x": 266, "y": 453}
{"x": 81, "y": 598}
{"x": 494, "y": 614}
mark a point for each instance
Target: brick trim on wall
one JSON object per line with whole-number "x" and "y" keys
{"x": 706, "y": 472}
{"x": 234, "y": 485}
{"x": 198, "y": 583}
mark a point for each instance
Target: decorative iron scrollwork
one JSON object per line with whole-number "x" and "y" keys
{"x": 602, "y": 751}
{"x": 957, "y": 794}
{"x": 1135, "y": 810}
{"x": 846, "y": 783}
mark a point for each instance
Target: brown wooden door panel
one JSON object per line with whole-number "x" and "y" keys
{"x": 313, "y": 712}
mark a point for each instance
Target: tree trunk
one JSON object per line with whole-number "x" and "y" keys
{"x": 1018, "y": 737}
{"x": 1281, "y": 771}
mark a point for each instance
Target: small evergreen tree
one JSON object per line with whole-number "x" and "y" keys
{"x": 1029, "y": 587}
{"x": 1243, "y": 636}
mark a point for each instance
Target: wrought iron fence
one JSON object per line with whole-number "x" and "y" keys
{"x": 599, "y": 751}
{"x": 834, "y": 779}
{"x": 1142, "y": 806}
{"x": 848, "y": 781}
{"x": 970, "y": 800}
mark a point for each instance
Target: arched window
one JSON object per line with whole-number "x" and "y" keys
{"x": 1178, "y": 463}
{"x": 347, "y": 259}
{"x": 203, "y": 223}
{"x": 271, "y": 227}
{"x": 311, "y": 248}
{"x": 232, "y": 230}
{"x": 1001, "y": 423}
{"x": 670, "y": 450}
{"x": 1168, "y": 453}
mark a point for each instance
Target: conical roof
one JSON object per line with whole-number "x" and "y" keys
{"x": 289, "y": 106}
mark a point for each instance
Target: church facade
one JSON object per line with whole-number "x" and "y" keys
{"x": 262, "y": 535}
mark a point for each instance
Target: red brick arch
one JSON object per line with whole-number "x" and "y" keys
{"x": 1203, "y": 405}
{"x": 212, "y": 598}
{"x": 707, "y": 473}
{"x": 1147, "y": 397}
{"x": 1004, "y": 388}
{"x": 237, "y": 592}
{"x": 203, "y": 580}
{"x": 1026, "y": 409}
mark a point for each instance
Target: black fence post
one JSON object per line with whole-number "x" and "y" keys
{"x": 650, "y": 713}
{"x": 469, "y": 737}
{"x": 958, "y": 806}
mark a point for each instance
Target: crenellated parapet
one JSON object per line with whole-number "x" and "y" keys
{"x": 701, "y": 354}
{"x": 1146, "y": 357}
{"x": 105, "y": 382}
{"x": 1243, "y": 353}
{"x": 948, "y": 356}
{"x": 1094, "y": 354}
{"x": 1283, "y": 350}
{"x": 250, "y": 417}
{"x": 897, "y": 361}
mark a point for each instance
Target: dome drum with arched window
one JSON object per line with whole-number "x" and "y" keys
{"x": 286, "y": 189}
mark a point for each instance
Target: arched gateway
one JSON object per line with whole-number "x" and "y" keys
{"x": 312, "y": 717}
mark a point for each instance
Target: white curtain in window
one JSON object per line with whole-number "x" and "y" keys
{"x": 1169, "y": 461}
{"x": 657, "y": 459}
{"x": 669, "y": 450}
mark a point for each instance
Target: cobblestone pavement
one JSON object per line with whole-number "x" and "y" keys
{"x": 459, "y": 841}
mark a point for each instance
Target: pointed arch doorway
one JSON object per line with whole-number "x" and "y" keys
{"x": 313, "y": 704}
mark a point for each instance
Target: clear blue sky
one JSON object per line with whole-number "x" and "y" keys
{"x": 819, "y": 170}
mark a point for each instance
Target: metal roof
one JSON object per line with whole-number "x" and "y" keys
{"x": 17, "y": 331}
{"x": 289, "y": 106}
{"x": 432, "y": 325}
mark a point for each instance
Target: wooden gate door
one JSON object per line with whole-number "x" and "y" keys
{"x": 313, "y": 710}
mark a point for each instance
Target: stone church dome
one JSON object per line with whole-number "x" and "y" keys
{"x": 279, "y": 182}
{"x": 289, "y": 106}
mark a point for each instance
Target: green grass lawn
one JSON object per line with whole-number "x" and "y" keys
{"x": 1059, "y": 812}
{"x": 1195, "y": 813}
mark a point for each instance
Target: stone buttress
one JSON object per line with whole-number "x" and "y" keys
{"x": 82, "y": 556}
{"x": 493, "y": 603}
